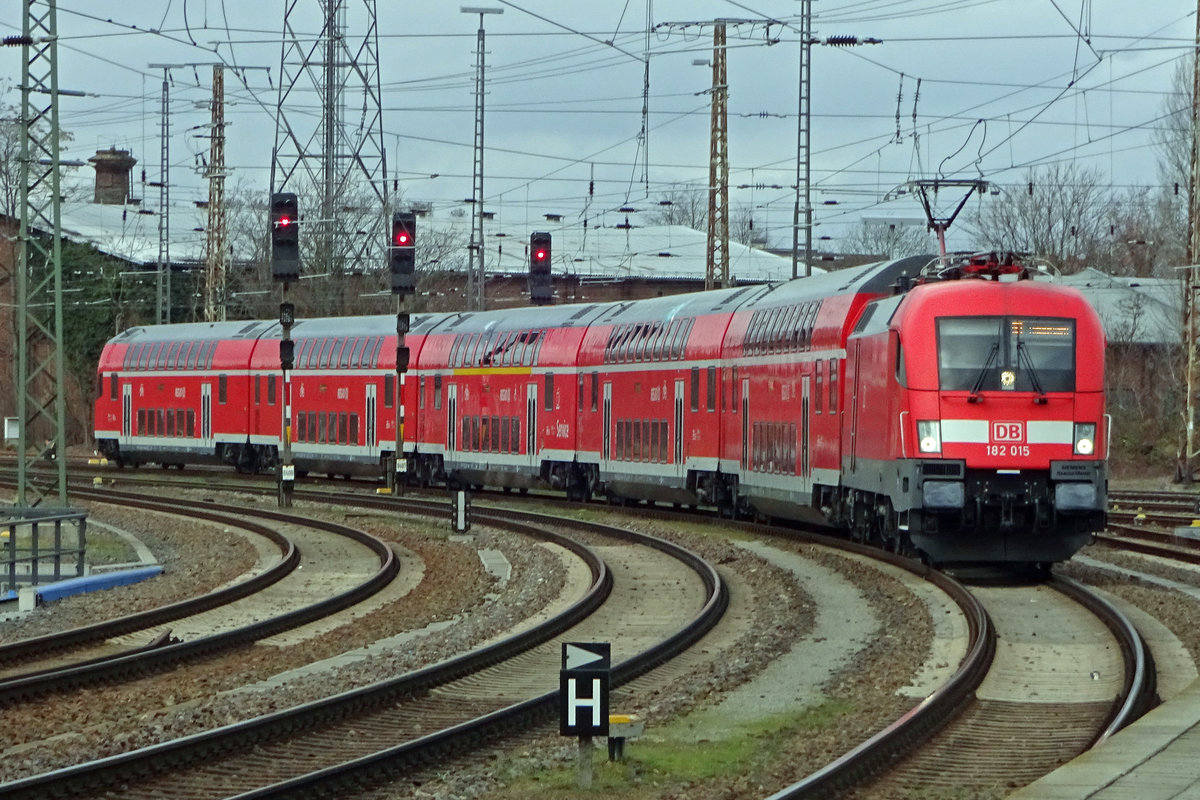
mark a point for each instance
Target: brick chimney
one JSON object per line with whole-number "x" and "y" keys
{"x": 112, "y": 176}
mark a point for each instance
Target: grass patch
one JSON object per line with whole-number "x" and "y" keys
{"x": 674, "y": 757}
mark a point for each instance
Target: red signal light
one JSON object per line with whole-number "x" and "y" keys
{"x": 540, "y": 255}
{"x": 284, "y": 222}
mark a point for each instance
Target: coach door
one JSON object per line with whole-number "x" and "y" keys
{"x": 745, "y": 424}
{"x": 531, "y": 408}
{"x": 206, "y": 431}
{"x": 451, "y": 418}
{"x": 679, "y": 432}
{"x": 854, "y": 414}
{"x": 126, "y": 412}
{"x": 371, "y": 434}
{"x": 607, "y": 452}
{"x": 805, "y": 467}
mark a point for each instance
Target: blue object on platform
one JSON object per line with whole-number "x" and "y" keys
{"x": 50, "y": 592}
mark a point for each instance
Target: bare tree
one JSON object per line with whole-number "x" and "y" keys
{"x": 1060, "y": 212}
{"x": 682, "y": 205}
{"x": 890, "y": 241}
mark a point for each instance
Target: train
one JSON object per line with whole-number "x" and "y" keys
{"x": 952, "y": 409}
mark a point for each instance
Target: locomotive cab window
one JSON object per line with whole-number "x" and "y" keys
{"x": 1021, "y": 354}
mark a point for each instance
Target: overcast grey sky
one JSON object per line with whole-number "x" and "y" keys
{"x": 957, "y": 88}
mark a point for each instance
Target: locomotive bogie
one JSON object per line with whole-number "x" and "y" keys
{"x": 958, "y": 419}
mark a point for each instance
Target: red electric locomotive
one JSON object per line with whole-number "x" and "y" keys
{"x": 955, "y": 411}
{"x": 975, "y": 426}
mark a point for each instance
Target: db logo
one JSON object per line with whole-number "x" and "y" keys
{"x": 1008, "y": 431}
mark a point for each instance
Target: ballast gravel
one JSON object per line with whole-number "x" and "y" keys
{"x": 82, "y": 726}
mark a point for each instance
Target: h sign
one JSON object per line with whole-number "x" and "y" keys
{"x": 583, "y": 689}
{"x": 1008, "y": 432}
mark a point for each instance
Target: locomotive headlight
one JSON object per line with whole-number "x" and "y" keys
{"x": 929, "y": 435}
{"x": 1085, "y": 438}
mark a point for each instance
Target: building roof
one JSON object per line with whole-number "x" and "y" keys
{"x": 595, "y": 253}
{"x": 1145, "y": 311}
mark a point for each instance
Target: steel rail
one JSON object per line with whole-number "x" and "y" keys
{"x": 145, "y": 662}
{"x": 1138, "y": 692}
{"x": 89, "y": 778}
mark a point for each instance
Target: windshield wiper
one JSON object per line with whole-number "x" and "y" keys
{"x": 1022, "y": 353}
{"x": 975, "y": 398}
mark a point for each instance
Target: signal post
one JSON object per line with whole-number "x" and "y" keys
{"x": 402, "y": 262}
{"x": 285, "y": 268}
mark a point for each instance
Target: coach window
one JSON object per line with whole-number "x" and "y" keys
{"x": 819, "y": 386}
{"x": 343, "y": 427}
{"x": 654, "y": 348}
{"x": 421, "y": 393}
{"x": 303, "y": 348}
{"x": 898, "y": 357}
{"x": 113, "y": 391}
{"x": 639, "y": 348}
{"x": 191, "y": 422}
{"x": 172, "y": 349}
{"x": 162, "y": 425}
{"x": 270, "y": 390}
{"x": 695, "y": 388}
{"x": 170, "y": 430}
{"x": 540, "y": 338}
{"x": 503, "y": 426}
{"x": 437, "y": 392}
{"x": 549, "y": 405}
{"x": 340, "y": 357}
{"x": 778, "y": 327}
{"x": 258, "y": 390}
{"x": 620, "y": 449}
{"x": 320, "y": 427}
{"x": 833, "y": 386}
{"x": 469, "y": 354}
{"x": 515, "y": 439}
{"x": 389, "y": 390}
{"x": 496, "y": 434}
{"x": 356, "y": 352}
{"x": 581, "y": 391}
{"x": 810, "y": 324}
{"x": 222, "y": 386}
{"x": 595, "y": 390}
{"x": 712, "y": 388}
{"x": 143, "y": 356}
{"x": 791, "y": 331}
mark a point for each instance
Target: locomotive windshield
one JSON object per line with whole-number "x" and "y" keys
{"x": 1020, "y": 354}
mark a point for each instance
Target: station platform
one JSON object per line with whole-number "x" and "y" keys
{"x": 1155, "y": 758}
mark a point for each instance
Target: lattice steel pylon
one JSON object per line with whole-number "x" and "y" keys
{"x": 216, "y": 266}
{"x": 41, "y": 406}
{"x": 717, "y": 261}
{"x": 337, "y": 167}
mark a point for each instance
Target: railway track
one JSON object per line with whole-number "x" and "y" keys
{"x": 454, "y": 725}
{"x": 164, "y": 653}
{"x": 874, "y": 755}
{"x": 1028, "y": 719}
